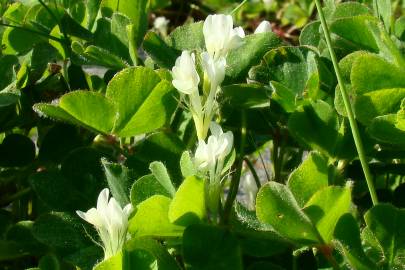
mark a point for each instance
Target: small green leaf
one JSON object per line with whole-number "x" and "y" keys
{"x": 308, "y": 178}
{"x": 143, "y": 101}
{"x": 145, "y": 187}
{"x": 316, "y": 125}
{"x": 118, "y": 180}
{"x": 90, "y": 109}
{"x": 159, "y": 170}
{"x": 187, "y": 165}
{"x": 246, "y": 95}
{"x": 240, "y": 60}
{"x": 188, "y": 205}
{"x": 326, "y": 207}
{"x": 159, "y": 51}
{"x": 383, "y": 128}
{"x": 152, "y": 247}
{"x": 347, "y": 236}
{"x": 276, "y": 206}
{"x": 187, "y": 37}
{"x": 385, "y": 223}
{"x": 151, "y": 219}
{"x": 112, "y": 263}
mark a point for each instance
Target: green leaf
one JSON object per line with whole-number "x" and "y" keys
{"x": 383, "y": 128}
{"x": 378, "y": 103}
{"x": 385, "y": 11}
{"x": 254, "y": 47}
{"x": 326, "y": 207}
{"x": 7, "y": 99}
{"x": 99, "y": 56}
{"x": 21, "y": 233}
{"x": 112, "y": 263}
{"x": 246, "y": 95}
{"x": 143, "y": 101}
{"x": 276, "y": 206}
{"x": 371, "y": 72}
{"x": 188, "y": 205}
{"x": 187, "y": 37}
{"x": 159, "y": 170}
{"x": 10, "y": 250}
{"x": 316, "y": 125}
{"x": 220, "y": 248}
{"x": 151, "y": 219}
{"x": 118, "y": 180}
{"x": 89, "y": 109}
{"x": 164, "y": 55}
{"x": 145, "y": 187}
{"x": 308, "y": 178}
{"x": 347, "y": 236}
{"x": 7, "y": 65}
{"x": 385, "y": 223}
{"x": 19, "y": 41}
{"x": 50, "y": 187}
{"x": 61, "y": 231}
{"x": 357, "y": 31}
{"x": 154, "y": 248}
{"x": 280, "y": 64}
{"x": 186, "y": 165}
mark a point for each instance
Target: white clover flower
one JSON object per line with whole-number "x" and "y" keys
{"x": 185, "y": 76}
{"x": 110, "y": 221}
{"x": 220, "y": 36}
{"x": 263, "y": 27}
{"x": 161, "y": 24}
{"x": 211, "y": 155}
{"x": 214, "y": 68}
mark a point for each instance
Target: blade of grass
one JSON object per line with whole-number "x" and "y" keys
{"x": 353, "y": 124}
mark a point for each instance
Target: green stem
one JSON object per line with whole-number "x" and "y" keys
{"x": 253, "y": 171}
{"x": 33, "y": 31}
{"x": 233, "y": 190}
{"x": 353, "y": 124}
{"x": 238, "y": 7}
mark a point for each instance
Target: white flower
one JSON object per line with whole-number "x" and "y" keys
{"x": 110, "y": 221}
{"x": 263, "y": 27}
{"x": 160, "y": 24}
{"x": 185, "y": 76}
{"x": 211, "y": 155}
{"x": 220, "y": 36}
{"x": 214, "y": 68}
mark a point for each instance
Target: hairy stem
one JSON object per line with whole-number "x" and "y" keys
{"x": 353, "y": 124}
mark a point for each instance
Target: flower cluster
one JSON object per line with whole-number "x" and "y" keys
{"x": 209, "y": 158}
{"x": 220, "y": 37}
{"x": 110, "y": 221}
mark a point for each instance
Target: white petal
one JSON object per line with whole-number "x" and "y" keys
{"x": 128, "y": 209}
{"x": 263, "y": 27}
{"x": 92, "y": 216}
{"x": 215, "y": 129}
{"x": 102, "y": 200}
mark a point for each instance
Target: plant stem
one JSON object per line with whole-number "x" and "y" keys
{"x": 233, "y": 190}
{"x": 353, "y": 124}
{"x": 238, "y": 7}
{"x": 32, "y": 31}
{"x": 253, "y": 171}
